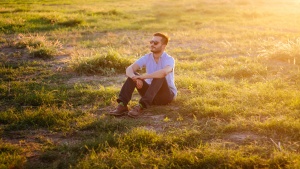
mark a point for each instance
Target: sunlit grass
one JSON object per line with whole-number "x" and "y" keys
{"x": 53, "y": 118}
{"x": 288, "y": 52}
{"x": 150, "y": 152}
{"x": 109, "y": 63}
{"x": 10, "y": 156}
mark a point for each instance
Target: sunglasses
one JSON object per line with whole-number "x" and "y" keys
{"x": 154, "y": 42}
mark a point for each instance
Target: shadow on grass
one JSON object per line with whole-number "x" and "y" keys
{"x": 99, "y": 135}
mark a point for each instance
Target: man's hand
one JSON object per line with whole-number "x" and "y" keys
{"x": 141, "y": 77}
{"x": 134, "y": 78}
{"x": 139, "y": 83}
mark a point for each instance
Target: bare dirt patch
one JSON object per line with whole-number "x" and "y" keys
{"x": 35, "y": 142}
{"x": 156, "y": 122}
{"x": 244, "y": 136}
{"x": 115, "y": 80}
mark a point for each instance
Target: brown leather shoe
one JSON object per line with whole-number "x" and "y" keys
{"x": 136, "y": 111}
{"x": 119, "y": 111}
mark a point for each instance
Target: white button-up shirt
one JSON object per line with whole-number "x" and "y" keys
{"x": 151, "y": 66}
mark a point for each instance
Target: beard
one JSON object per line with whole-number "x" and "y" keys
{"x": 155, "y": 50}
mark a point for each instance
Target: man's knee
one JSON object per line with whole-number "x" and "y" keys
{"x": 130, "y": 80}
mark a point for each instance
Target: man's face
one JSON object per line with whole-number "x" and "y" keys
{"x": 156, "y": 45}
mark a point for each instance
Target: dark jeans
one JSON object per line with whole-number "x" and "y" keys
{"x": 157, "y": 93}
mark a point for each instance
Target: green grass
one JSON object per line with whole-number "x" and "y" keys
{"x": 105, "y": 64}
{"x": 62, "y": 64}
{"x": 11, "y": 156}
{"x": 53, "y": 118}
{"x": 147, "y": 149}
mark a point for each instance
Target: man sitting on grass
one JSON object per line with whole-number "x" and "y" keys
{"x": 156, "y": 87}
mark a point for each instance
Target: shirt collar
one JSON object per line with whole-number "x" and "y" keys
{"x": 161, "y": 56}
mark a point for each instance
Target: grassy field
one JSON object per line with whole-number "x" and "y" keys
{"x": 62, "y": 64}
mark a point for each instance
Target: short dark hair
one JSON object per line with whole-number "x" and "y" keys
{"x": 165, "y": 38}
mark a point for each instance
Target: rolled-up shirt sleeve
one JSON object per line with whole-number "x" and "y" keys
{"x": 169, "y": 62}
{"x": 142, "y": 61}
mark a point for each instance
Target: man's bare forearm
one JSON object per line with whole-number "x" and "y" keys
{"x": 158, "y": 74}
{"x": 129, "y": 72}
